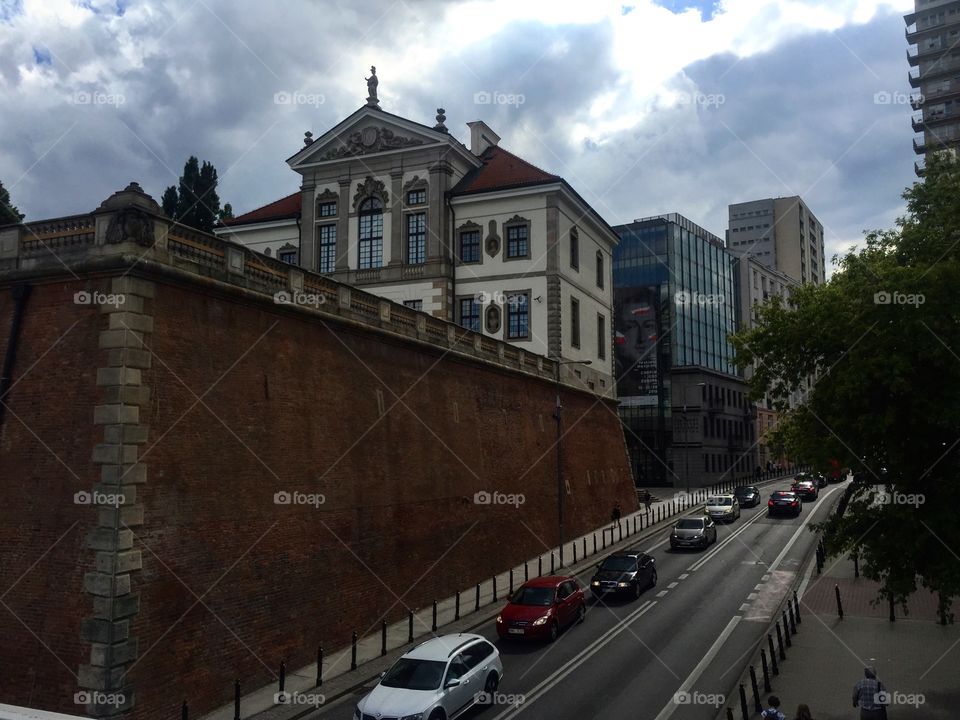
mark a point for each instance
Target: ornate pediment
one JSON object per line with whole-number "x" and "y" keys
{"x": 370, "y": 139}
{"x": 369, "y": 187}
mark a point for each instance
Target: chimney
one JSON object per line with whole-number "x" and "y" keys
{"x": 481, "y": 137}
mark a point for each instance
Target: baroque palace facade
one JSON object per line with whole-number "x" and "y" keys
{"x": 475, "y": 235}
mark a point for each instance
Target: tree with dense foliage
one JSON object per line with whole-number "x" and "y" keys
{"x": 194, "y": 201}
{"x": 8, "y": 213}
{"x": 226, "y": 213}
{"x": 882, "y": 340}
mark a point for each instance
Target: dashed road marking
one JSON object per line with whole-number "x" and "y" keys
{"x": 672, "y": 585}
{"x": 662, "y": 593}
{"x": 684, "y": 576}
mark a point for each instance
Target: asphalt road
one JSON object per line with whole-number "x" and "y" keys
{"x": 674, "y": 652}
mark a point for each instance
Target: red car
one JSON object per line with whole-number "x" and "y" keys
{"x": 542, "y": 607}
{"x": 806, "y": 488}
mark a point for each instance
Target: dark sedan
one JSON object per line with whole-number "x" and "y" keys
{"x": 747, "y": 496}
{"x": 784, "y": 502}
{"x": 629, "y": 572}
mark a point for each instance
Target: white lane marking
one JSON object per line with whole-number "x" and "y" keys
{"x": 662, "y": 593}
{"x": 560, "y": 673}
{"x": 672, "y": 585}
{"x": 803, "y": 526}
{"x": 752, "y": 596}
{"x": 765, "y": 577}
{"x": 759, "y": 586}
{"x": 684, "y": 576}
{"x": 654, "y": 547}
{"x": 719, "y": 546}
{"x": 744, "y": 607}
{"x": 671, "y": 706}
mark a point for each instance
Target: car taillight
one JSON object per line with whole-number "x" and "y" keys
{"x": 793, "y": 502}
{"x": 769, "y": 503}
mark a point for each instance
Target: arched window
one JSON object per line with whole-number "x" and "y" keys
{"x": 371, "y": 233}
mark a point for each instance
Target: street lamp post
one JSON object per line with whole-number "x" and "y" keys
{"x": 560, "y": 489}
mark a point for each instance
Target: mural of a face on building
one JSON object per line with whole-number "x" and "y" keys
{"x": 635, "y": 340}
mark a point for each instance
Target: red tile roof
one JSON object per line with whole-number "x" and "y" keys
{"x": 502, "y": 169}
{"x": 282, "y": 209}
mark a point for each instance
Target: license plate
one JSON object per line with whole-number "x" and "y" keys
{"x": 515, "y": 631}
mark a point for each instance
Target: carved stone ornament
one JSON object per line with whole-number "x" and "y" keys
{"x": 327, "y": 196}
{"x": 492, "y": 243}
{"x": 367, "y": 188}
{"x": 492, "y": 317}
{"x": 416, "y": 183}
{"x": 130, "y": 225}
{"x": 369, "y": 140}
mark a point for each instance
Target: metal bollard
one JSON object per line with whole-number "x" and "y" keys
{"x": 183, "y": 711}
{"x": 236, "y": 700}
{"x": 433, "y": 625}
{"x": 594, "y": 543}
{"x": 511, "y": 578}
{"x": 743, "y": 703}
{"x": 410, "y": 626}
{"x": 773, "y": 655}
{"x": 283, "y": 677}
{"x": 353, "y": 650}
{"x": 603, "y": 534}
{"x": 856, "y": 566}
{"x": 635, "y": 524}
{"x": 539, "y": 567}
{"x": 756, "y": 690}
{"x": 552, "y": 568}
{"x": 796, "y": 607}
{"x": 619, "y": 529}
{"x": 783, "y": 655}
{"x": 584, "y": 547}
{"x": 786, "y": 629}
{"x": 526, "y": 570}
{"x": 383, "y": 638}
{"x": 476, "y": 603}
{"x": 319, "y": 665}
{"x": 793, "y": 621}
{"x": 574, "y": 553}
{"x": 766, "y": 670}
{"x": 494, "y": 588}
{"x": 836, "y": 590}
{"x": 893, "y": 615}
{"x": 456, "y": 606}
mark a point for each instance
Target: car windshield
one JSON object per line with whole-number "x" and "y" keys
{"x": 690, "y": 524}
{"x": 744, "y": 491}
{"x": 411, "y": 674}
{"x": 533, "y": 596}
{"x": 783, "y": 495}
{"x": 619, "y": 564}
{"x": 720, "y": 501}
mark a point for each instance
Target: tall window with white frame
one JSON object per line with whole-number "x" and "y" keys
{"x": 416, "y": 238}
{"x": 470, "y": 313}
{"x": 574, "y": 322}
{"x": 470, "y": 246}
{"x": 371, "y": 234}
{"x": 327, "y": 254}
{"x": 518, "y": 316}
{"x": 601, "y": 337}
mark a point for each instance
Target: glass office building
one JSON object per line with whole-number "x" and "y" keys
{"x": 675, "y": 306}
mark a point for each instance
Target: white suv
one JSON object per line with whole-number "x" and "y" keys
{"x": 439, "y": 679}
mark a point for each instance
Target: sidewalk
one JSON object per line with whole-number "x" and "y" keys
{"x": 916, "y": 658}
{"x": 338, "y": 679}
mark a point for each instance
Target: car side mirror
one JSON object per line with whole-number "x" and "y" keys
{"x": 452, "y": 683}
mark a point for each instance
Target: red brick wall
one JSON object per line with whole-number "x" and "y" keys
{"x": 290, "y": 404}
{"x": 45, "y": 445}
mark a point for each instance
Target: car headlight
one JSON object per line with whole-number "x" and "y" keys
{"x": 595, "y": 583}
{"x": 623, "y": 584}
{"x": 541, "y": 620}
{"x": 499, "y": 619}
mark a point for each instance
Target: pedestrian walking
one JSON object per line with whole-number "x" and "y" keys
{"x": 867, "y": 696}
{"x": 615, "y": 515}
{"x": 647, "y": 499}
{"x": 803, "y": 712}
{"x": 773, "y": 709}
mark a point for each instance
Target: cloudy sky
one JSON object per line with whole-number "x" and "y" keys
{"x": 645, "y": 106}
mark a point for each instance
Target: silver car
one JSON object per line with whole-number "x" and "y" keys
{"x": 695, "y": 532}
{"x": 723, "y": 507}
{"x": 439, "y": 679}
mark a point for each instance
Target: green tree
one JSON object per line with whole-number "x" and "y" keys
{"x": 226, "y": 213}
{"x": 8, "y": 213}
{"x": 194, "y": 200}
{"x": 882, "y": 340}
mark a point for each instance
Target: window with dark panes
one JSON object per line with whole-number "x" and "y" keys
{"x": 470, "y": 246}
{"x": 370, "y": 247}
{"x": 518, "y": 316}
{"x": 328, "y": 248}
{"x": 470, "y": 314}
{"x": 416, "y": 238}
{"x": 518, "y": 241}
